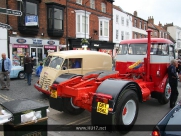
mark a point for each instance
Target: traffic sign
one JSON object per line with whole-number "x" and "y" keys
{"x": 5, "y": 26}
{"x": 10, "y": 12}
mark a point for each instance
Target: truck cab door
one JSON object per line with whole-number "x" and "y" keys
{"x": 75, "y": 66}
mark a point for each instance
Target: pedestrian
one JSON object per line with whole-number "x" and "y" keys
{"x": 5, "y": 69}
{"x": 26, "y": 55}
{"x": 39, "y": 69}
{"x": 28, "y": 69}
{"x": 173, "y": 82}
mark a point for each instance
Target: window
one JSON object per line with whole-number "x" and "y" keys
{"x": 159, "y": 49}
{"x": 135, "y": 23}
{"x": 135, "y": 35}
{"x": 103, "y": 7}
{"x": 137, "y": 49}
{"x": 31, "y": 8}
{"x": 92, "y": 4}
{"x": 117, "y": 34}
{"x": 140, "y": 35}
{"x": 123, "y": 49}
{"x": 140, "y": 25}
{"x": 82, "y": 24}
{"x": 122, "y": 20}
{"x": 160, "y": 34}
{"x": 122, "y": 35}
{"x": 127, "y": 35}
{"x": 104, "y": 28}
{"x": 117, "y": 18}
{"x": 75, "y": 63}
{"x": 145, "y": 26}
{"x": 155, "y": 33}
{"x": 127, "y": 22}
{"x": 55, "y": 18}
{"x": 54, "y": 62}
{"x": 79, "y": 1}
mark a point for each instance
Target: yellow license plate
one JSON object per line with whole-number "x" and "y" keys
{"x": 102, "y": 108}
{"x": 54, "y": 93}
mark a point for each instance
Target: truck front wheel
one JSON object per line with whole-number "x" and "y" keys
{"x": 126, "y": 111}
{"x": 70, "y": 108}
{"x": 165, "y": 96}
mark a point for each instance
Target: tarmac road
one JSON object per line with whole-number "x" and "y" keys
{"x": 150, "y": 112}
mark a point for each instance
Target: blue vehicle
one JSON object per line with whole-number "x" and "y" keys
{"x": 170, "y": 124}
{"x": 17, "y": 72}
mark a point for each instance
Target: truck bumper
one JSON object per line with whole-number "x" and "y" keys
{"x": 37, "y": 86}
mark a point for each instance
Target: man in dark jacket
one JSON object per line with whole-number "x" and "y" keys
{"x": 173, "y": 81}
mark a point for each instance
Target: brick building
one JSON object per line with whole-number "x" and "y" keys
{"x": 139, "y": 26}
{"x": 49, "y": 25}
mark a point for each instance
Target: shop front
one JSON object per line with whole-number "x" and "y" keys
{"x": 38, "y": 49}
{"x": 102, "y": 46}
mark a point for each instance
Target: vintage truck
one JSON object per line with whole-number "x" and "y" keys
{"x": 113, "y": 97}
{"x": 61, "y": 62}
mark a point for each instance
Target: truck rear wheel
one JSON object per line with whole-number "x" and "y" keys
{"x": 165, "y": 96}
{"x": 70, "y": 108}
{"x": 126, "y": 111}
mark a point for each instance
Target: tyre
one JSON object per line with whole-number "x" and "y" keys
{"x": 21, "y": 75}
{"x": 165, "y": 96}
{"x": 126, "y": 111}
{"x": 70, "y": 108}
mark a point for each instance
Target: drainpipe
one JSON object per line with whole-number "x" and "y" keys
{"x": 67, "y": 25}
{"x": 7, "y": 22}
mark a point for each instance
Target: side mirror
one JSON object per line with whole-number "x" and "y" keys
{"x": 64, "y": 68}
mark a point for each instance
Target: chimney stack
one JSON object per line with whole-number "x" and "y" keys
{"x": 135, "y": 13}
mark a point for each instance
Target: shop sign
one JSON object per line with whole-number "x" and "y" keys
{"x": 50, "y": 47}
{"x": 21, "y": 41}
{"x": 20, "y": 46}
{"x": 51, "y": 42}
{"x": 37, "y": 41}
{"x": 31, "y": 20}
{"x": 96, "y": 45}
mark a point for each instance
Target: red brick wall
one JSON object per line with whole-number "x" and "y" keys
{"x": 3, "y": 16}
{"x": 72, "y": 5}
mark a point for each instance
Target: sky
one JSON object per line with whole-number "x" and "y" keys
{"x": 163, "y": 11}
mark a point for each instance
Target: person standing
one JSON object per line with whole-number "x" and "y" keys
{"x": 28, "y": 69}
{"x": 5, "y": 69}
{"x": 173, "y": 82}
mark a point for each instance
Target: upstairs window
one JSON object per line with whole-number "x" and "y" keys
{"x": 31, "y": 8}
{"x": 122, "y": 35}
{"x": 104, "y": 28}
{"x": 145, "y": 26}
{"x": 127, "y": 22}
{"x": 122, "y": 20}
{"x": 140, "y": 25}
{"x": 155, "y": 34}
{"x": 117, "y": 18}
{"x": 55, "y": 18}
{"x": 79, "y": 1}
{"x": 127, "y": 35}
{"x": 117, "y": 34}
{"x": 135, "y": 23}
{"x": 103, "y": 7}
{"x": 135, "y": 35}
{"x": 92, "y": 4}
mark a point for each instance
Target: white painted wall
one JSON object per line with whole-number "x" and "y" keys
{"x": 121, "y": 27}
{"x": 3, "y": 41}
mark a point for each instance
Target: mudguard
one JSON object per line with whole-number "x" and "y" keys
{"x": 64, "y": 77}
{"x": 57, "y": 103}
{"x": 111, "y": 87}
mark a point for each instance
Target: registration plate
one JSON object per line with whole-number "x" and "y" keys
{"x": 102, "y": 108}
{"x": 54, "y": 93}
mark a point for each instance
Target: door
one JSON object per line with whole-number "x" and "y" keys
{"x": 37, "y": 54}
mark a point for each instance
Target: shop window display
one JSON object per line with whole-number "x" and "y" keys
{"x": 17, "y": 56}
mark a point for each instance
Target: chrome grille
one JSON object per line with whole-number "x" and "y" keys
{"x": 45, "y": 82}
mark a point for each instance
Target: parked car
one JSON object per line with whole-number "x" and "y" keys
{"x": 17, "y": 72}
{"x": 170, "y": 124}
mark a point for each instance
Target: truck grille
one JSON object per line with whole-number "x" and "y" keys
{"x": 45, "y": 82}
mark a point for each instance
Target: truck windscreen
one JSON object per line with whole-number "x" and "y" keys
{"x": 53, "y": 62}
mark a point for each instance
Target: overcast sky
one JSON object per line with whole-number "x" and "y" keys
{"x": 165, "y": 11}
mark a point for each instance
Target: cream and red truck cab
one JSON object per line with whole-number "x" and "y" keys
{"x": 58, "y": 63}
